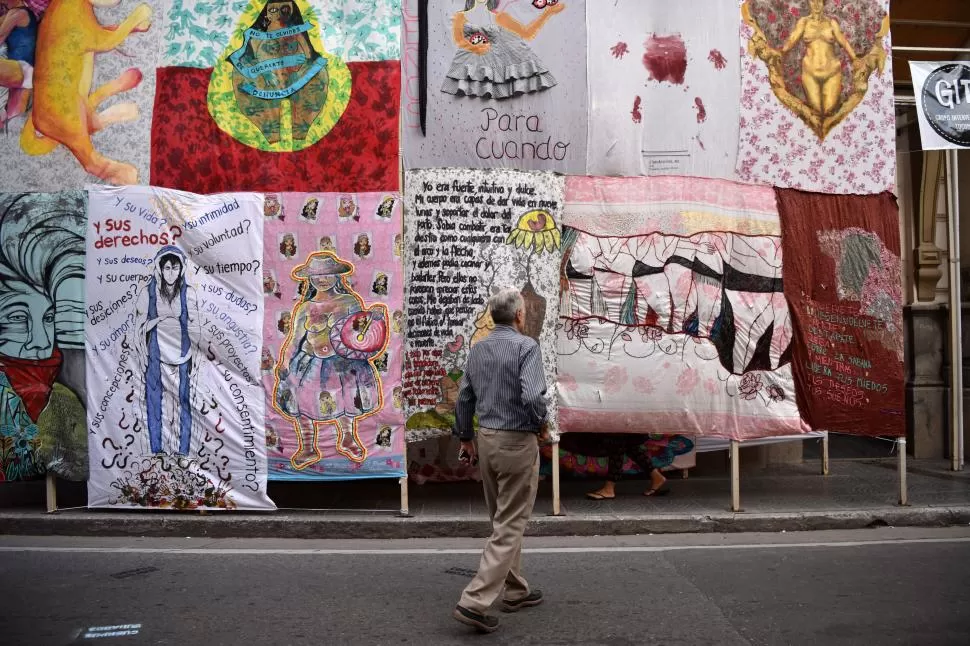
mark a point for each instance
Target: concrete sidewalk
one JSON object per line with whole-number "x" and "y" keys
{"x": 857, "y": 494}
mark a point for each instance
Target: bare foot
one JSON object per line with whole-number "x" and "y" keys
{"x": 657, "y": 481}
{"x": 606, "y": 492}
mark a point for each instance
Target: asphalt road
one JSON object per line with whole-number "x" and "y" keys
{"x": 872, "y": 587}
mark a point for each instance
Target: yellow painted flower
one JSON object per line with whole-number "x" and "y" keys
{"x": 535, "y": 229}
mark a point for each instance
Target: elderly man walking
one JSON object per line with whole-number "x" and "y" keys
{"x": 505, "y": 386}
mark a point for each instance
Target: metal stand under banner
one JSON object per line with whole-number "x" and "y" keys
{"x": 825, "y": 454}
{"x": 51, "y": 485}
{"x": 405, "y": 510}
{"x": 735, "y": 456}
{"x": 901, "y": 449}
{"x": 556, "y": 508}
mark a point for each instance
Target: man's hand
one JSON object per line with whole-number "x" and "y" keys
{"x": 468, "y": 454}
{"x": 545, "y": 436}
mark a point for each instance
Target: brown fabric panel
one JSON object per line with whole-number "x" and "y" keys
{"x": 843, "y": 284}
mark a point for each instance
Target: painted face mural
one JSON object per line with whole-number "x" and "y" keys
{"x": 42, "y": 420}
{"x": 277, "y": 88}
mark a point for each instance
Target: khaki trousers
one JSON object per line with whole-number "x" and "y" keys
{"x": 509, "y": 463}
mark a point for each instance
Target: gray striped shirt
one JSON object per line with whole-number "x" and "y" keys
{"x": 503, "y": 384}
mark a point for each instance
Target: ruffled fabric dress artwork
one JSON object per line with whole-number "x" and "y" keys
{"x": 493, "y": 58}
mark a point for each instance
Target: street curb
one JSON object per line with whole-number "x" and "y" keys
{"x": 331, "y": 526}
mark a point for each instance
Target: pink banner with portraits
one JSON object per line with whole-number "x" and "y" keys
{"x": 333, "y": 331}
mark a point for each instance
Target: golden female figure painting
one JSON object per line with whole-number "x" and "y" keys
{"x": 277, "y": 88}
{"x": 816, "y": 99}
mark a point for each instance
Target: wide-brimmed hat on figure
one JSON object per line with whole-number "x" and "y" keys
{"x": 322, "y": 263}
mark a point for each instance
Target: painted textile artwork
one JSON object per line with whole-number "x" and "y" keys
{"x": 817, "y": 96}
{"x": 174, "y": 405}
{"x": 474, "y": 232}
{"x": 333, "y": 335}
{"x": 42, "y": 418}
{"x": 672, "y": 311}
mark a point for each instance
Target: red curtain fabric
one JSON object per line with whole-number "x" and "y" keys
{"x": 191, "y": 153}
{"x": 843, "y": 283}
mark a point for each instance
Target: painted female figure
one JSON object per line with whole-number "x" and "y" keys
{"x": 326, "y": 373}
{"x": 278, "y": 63}
{"x": 821, "y": 66}
{"x": 169, "y": 329}
{"x": 493, "y": 59}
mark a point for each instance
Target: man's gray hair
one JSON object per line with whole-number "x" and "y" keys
{"x": 504, "y": 305}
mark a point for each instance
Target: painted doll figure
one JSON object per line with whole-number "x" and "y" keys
{"x": 326, "y": 373}
{"x": 169, "y": 329}
{"x": 493, "y": 59}
{"x": 278, "y": 63}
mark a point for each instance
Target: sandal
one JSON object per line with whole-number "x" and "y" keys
{"x": 595, "y": 495}
{"x": 659, "y": 491}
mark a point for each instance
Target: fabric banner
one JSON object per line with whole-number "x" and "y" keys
{"x": 495, "y": 84}
{"x": 359, "y": 153}
{"x": 42, "y": 419}
{"x": 59, "y": 134}
{"x": 468, "y": 234}
{"x": 333, "y": 286}
{"x": 843, "y": 281}
{"x": 672, "y": 314}
{"x": 278, "y": 111}
{"x": 355, "y": 30}
{"x": 664, "y": 88}
{"x": 173, "y": 336}
{"x": 817, "y": 107}
{"x": 942, "y": 92}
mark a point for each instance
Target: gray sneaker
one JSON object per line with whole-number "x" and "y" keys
{"x": 481, "y": 623}
{"x": 533, "y": 599}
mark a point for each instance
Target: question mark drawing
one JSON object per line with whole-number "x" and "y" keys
{"x": 134, "y": 289}
{"x": 247, "y": 224}
{"x": 256, "y": 269}
{"x": 175, "y": 236}
{"x": 121, "y": 422}
{"x": 130, "y": 438}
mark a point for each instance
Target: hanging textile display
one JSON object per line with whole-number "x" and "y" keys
{"x": 468, "y": 234}
{"x": 672, "y": 314}
{"x": 817, "y": 107}
{"x": 495, "y": 83}
{"x": 355, "y": 30}
{"x": 664, "y": 88}
{"x": 42, "y": 419}
{"x": 173, "y": 336}
{"x": 278, "y": 111}
{"x": 333, "y": 335}
{"x": 59, "y": 134}
{"x": 842, "y": 279}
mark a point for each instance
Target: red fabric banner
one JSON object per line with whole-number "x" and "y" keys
{"x": 360, "y": 153}
{"x": 843, "y": 284}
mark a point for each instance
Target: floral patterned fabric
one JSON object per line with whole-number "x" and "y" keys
{"x": 848, "y": 146}
{"x": 672, "y": 317}
{"x": 360, "y": 153}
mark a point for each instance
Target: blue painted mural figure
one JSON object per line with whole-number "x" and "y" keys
{"x": 169, "y": 328}
{"x": 42, "y": 420}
